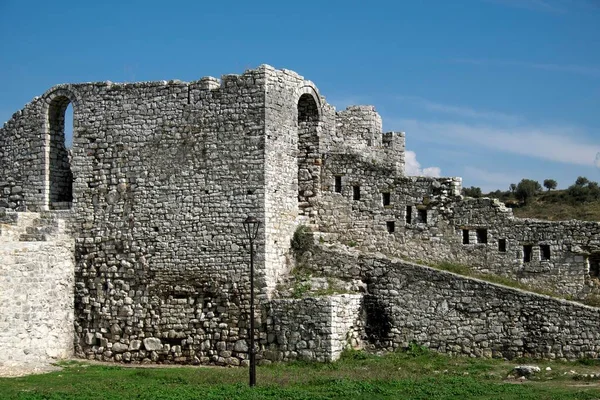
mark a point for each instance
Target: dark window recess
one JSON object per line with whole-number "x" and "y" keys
{"x": 408, "y": 214}
{"x": 545, "y": 252}
{"x": 385, "y": 197}
{"x": 338, "y": 184}
{"x": 481, "y": 235}
{"x": 391, "y": 226}
{"x": 356, "y": 192}
{"x": 423, "y": 216}
{"x": 527, "y": 250}
{"x": 465, "y": 236}
{"x": 502, "y": 245}
{"x": 594, "y": 262}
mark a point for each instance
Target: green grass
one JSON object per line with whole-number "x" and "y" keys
{"x": 413, "y": 374}
{"x": 546, "y": 207}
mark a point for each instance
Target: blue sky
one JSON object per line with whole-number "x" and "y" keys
{"x": 490, "y": 90}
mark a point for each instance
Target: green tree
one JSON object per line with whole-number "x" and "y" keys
{"x": 527, "y": 189}
{"x": 582, "y": 181}
{"x": 513, "y": 188}
{"x": 583, "y": 191}
{"x": 472, "y": 191}
{"x": 550, "y": 184}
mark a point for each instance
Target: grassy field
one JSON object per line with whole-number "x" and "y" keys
{"x": 553, "y": 211}
{"x": 414, "y": 374}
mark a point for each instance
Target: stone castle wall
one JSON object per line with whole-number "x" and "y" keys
{"x": 161, "y": 175}
{"x": 314, "y": 328}
{"x": 457, "y": 315}
{"x": 36, "y": 296}
{"x": 420, "y": 218}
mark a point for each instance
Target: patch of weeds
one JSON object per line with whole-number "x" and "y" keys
{"x": 590, "y": 362}
{"x": 301, "y": 284}
{"x": 352, "y": 354}
{"x": 302, "y": 241}
{"x": 592, "y": 300}
{"x": 351, "y": 243}
{"x": 416, "y": 350}
{"x": 452, "y": 267}
{"x": 500, "y": 280}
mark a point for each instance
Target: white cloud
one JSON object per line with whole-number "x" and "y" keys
{"x": 459, "y": 111}
{"x": 550, "y": 6}
{"x": 593, "y": 71}
{"x": 536, "y": 5}
{"x": 488, "y": 180}
{"x": 558, "y": 144}
{"x": 413, "y": 167}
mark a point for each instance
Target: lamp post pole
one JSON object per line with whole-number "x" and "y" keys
{"x": 251, "y": 225}
{"x": 252, "y": 349}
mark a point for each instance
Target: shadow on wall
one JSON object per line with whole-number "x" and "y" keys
{"x": 378, "y": 325}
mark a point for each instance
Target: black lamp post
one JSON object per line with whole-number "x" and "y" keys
{"x": 251, "y": 225}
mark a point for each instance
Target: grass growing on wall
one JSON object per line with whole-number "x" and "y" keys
{"x": 413, "y": 374}
{"x": 501, "y": 280}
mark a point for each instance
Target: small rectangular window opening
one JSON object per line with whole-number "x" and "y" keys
{"x": 594, "y": 265}
{"x": 545, "y": 252}
{"x": 502, "y": 245}
{"x": 338, "y": 184}
{"x": 391, "y": 226}
{"x": 423, "y": 216}
{"x": 385, "y": 197}
{"x": 482, "y": 235}
{"x": 527, "y": 250}
{"x": 356, "y": 192}
{"x": 465, "y": 236}
{"x": 408, "y": 214}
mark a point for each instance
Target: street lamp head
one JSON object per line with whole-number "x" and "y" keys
{"x": 251, "y": 225}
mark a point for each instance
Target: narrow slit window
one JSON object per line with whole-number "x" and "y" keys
{"x": 527, "y": 250}
{"x": 338, "y": 184}
{"x": 423, "y": 216}
{"x": 465, "y": 233}
{"x": 594, "y": 265}
{"x": 481, "y": 235}
{"x": 385, "y": 197}
{"x": 545, "y": 252}
{"x": 502, "y": 245}
{"x": 391, "y": 226}
{"x": 356, "y": 192}
{"x": 408, "y": 214}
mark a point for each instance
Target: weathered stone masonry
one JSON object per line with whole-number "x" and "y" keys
{"x": 161, "y": 174}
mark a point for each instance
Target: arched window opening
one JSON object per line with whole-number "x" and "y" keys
{"x": 60, "y": 178}
{"x": 69, "y": 127}
{"x": 308, "y": 152}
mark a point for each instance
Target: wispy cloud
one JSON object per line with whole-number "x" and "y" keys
{"x": 459, "y": 111}
{"x": 413, "y": 167}
{"x": 534, "y": 5}
{"x": 593, "y": 71}
{"x": 558, "y": 144}
{"x": 489, "y": 180}
{"x": 550, "y": 6}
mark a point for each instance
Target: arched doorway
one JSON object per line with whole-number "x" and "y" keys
{"x": 59, "y": 178}
{"x": 308, "y": 152}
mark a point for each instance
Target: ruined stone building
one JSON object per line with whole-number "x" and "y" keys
{"x": 129, "y": 245}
